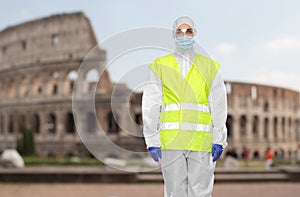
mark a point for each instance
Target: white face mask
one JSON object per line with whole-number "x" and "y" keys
{"x": 185, "y": 43}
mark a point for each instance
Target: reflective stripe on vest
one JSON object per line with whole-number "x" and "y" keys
{"x": 185, "y": 122}
{"x": 184, "y": 126}
{"x": 185, "y": 106}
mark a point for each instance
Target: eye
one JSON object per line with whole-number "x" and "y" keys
{"x": 189, "y": 31}
{"x": 178, "y": 31}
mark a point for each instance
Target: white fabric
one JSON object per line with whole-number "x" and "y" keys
{"x": 184, "y": 20}
{"x": 151, "y": 101}
{"x": 185, "y": 126}
{"x": 187, "y": 173}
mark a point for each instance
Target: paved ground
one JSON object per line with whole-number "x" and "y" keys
{"x": 144, "y": 190}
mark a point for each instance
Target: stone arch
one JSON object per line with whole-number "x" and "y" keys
{"x": 55, "y": 39}
{"x": 290, "y": 127}
{"x": 54, "y": 83}
{"x": 229, "y": 125}
{"x": 11, "y": 88}
{"x": 255, "y": 126}
{"x": 283, "y": 127}
{"x": 22, "y": 86}
{"x": 256, "y": 154}
{"x": 275, "y": 127}
{"x": 138, "y": 119}
{"x": 92, "y": 77}
{"x": 266, "y": 106}
{"x": 70, "y": 124}
{"x": 36, "y": 124}
{"x": 243, "y": 123}
{"x": 51, "y": 123}
{"x": 10, "y": 124}
{"x": 266, "y": 128}
{"x": 113, "y": 127}
{"x": 70, "y": 80}
{"x": 37, "y": 85}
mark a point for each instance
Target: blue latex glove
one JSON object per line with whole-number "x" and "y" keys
{"x": 155, "y": 153}
{"x": 217, "y": 150}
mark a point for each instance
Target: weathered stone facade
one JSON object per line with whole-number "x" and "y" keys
{"x": 262, "y": 116}
{"x": 39, "y": 62}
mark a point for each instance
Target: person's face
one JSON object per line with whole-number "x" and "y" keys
{"x": 184, "y": 29}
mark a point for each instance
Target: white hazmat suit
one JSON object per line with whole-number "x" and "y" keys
{"x": 186, "y": 173}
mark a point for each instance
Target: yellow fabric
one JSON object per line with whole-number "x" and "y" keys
{"x": 193, "y": 88}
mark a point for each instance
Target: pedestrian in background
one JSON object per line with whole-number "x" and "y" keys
{"x": 269, "y": 158}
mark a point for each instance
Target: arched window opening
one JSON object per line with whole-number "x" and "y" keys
{"x": 290, "y": 128}
{"x": 92, "y": 77}
{"x": 256, "y": 155}
{"x": 10, "y": 124}
{"x": 70, "y": 125}
{"x": 51, "y": 124}
{"x": 266, "y": 128}
{"x": 55, "y": 77}
{"x": 266, "y": 106}
{"x": 55, "y": 39}
{"x": 36, "y": 123}
{"x": 275, "y": 128}
{"x": 138, "y": 119}
{"x": 283, "y": 128}
{"x": 229, "y": 125}
{"x": 243, "y": 123}
{"x": 24, "y": 45}
{"x": 253, "y": 92}
{"x": 72, "y": 76}
{"x": 255, "y": 126}
{"x": 113, "y": 127}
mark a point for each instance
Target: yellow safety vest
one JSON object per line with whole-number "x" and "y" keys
{"x": 185, "y": 121}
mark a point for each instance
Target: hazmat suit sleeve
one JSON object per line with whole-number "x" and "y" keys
{"x": 218, "y": 106}
{"x": 151, "y": 102}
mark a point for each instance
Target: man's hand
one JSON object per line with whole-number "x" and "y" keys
{"x": 217, "y": 150}
{"x": 155, "y": 153}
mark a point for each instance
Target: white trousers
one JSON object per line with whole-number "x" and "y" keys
{"x": 187, "y": 173}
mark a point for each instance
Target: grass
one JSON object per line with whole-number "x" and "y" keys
{"x": 36, "y": 161}
{"x": 259, "y": 163}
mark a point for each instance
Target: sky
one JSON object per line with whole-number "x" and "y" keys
{"x": 254, "y": 41}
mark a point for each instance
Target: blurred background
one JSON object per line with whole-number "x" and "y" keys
{"x": 46, "y": 57}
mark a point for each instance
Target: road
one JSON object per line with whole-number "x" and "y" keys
{"x": 143, "y": 190}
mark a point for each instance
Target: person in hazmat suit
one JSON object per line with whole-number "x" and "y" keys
{"x": 184, "y": 109}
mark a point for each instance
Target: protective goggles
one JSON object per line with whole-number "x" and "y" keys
{"x": 186, "y": 31}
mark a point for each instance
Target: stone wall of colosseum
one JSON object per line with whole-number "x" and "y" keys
{"x": 262, "y": 116}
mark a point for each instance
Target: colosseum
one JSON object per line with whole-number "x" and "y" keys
{"x": 39, "y": 62}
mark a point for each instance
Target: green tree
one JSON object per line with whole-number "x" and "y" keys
{"x": 26, "y": 145}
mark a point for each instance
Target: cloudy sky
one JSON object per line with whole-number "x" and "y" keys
{"x": 255, "y": 41}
